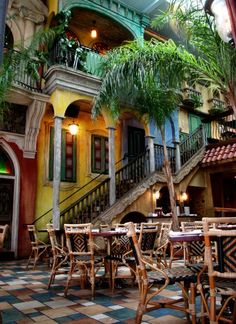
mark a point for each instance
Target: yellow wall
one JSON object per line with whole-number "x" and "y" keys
{"x": 183, "y": 121}
{"x": 52, "y": 6}
{"x": 87, "y": 127}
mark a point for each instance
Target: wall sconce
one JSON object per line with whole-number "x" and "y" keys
{"x": 183, "y": 196}
{"x": 219, "y": 9}
{"x": 73, "y": 128}
{"x": 94, "y": 30}
{"x": 157, "y": 194}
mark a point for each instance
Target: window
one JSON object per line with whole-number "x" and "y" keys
{"x": 99, "y": 154}
{"x": 68, "y": 156}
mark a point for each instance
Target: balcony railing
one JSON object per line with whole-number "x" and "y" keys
{"x": 192, "y": 97}
{"x": 24, "y": 74}
{"x": 80, "y": 58}
{"x": 217, "y": 106}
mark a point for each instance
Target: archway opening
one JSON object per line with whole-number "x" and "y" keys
{"x": 134, "y": 217}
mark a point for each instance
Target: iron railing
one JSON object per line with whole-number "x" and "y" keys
{"x": 132, "y": 174}
{"x": 159, "y": 157}
{"x": 89, "y": 206}
{"x": 80, "y": 58}
{"x": 192, "y": 144}
{"x": 24, "y": 75}
{"x": 192, "y": 97}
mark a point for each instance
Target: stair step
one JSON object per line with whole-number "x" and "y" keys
{"x": 6, "y": 255}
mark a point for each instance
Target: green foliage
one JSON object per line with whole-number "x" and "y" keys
{"x": 145, "y": 74}
{"x": 35, "y": 55}
{"x": 214, "y": 62}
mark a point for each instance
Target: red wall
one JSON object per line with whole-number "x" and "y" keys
{"x": 28, "y": 185}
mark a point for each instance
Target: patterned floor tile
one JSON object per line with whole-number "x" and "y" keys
{"x": 24, "y": 299}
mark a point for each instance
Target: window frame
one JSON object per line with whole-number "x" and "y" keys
{"x": 104, "y": 153}
{"x": 64, "y": 155}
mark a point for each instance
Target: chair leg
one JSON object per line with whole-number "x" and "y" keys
{"x": 36, "y": 257}
{"x": 53, "y": 273}
{"x": 72, "y": 267}
{"x": 30, "y": 257}
{"x": 143, "y": 289}
{"x": 192, "y": 302}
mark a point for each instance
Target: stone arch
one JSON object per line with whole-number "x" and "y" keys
{"x": 134, "y": 216}
{"x": 16, "y": 31}
{"x": 16, "y": 195}
{"x": 133, "y": 28}
{"x": 164, "y": 200}
{"x": 9, "y": 39}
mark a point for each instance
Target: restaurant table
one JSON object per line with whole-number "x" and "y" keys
{"x": 182, "y": 237}
{"x": 109, "y": 235}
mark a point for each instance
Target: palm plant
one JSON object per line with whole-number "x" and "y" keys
{"x": 38, "y": 49}
{"x": 214, "y": 62}
{"x": 147, "y": 76}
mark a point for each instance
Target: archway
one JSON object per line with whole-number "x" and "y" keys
{"x": 164, "y": 200}
{"x": 9, "y": 194}
{"x": 135, "y": 217}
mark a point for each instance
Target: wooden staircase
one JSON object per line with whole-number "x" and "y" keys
{"x": 132, "y": 180}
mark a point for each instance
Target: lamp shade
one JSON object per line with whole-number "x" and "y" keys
{"x": 73, "y": 128}
{"x": 94, "y": 30}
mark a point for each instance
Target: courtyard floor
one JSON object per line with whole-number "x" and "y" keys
{"x": 24, "y": 298}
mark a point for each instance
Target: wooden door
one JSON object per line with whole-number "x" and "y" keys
{"x": 6, "y": 204}
{"x": 136, "y": 142}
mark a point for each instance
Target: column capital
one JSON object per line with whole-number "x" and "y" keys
{"x": 111, "y": 127}
{"x": 176, "y": 142}
{"x": 150, "y": 136}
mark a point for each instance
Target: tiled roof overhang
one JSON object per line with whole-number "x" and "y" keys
{"x": 220, "y": 153}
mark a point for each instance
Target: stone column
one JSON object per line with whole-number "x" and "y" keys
{"x": 150, "y": 140}
{"x": 57, "y": 171}
{"x": 112, "y": 170}
{"x": 177, "y": 156}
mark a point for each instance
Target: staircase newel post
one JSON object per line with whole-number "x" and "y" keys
{"x": 112, "y": 170}
{"x": 150, "y": 140}
{"x": 177, "y": 156}
{"x": 57, "y": 171}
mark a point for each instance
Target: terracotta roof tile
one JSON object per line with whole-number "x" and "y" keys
{"x": 220, "y": 153}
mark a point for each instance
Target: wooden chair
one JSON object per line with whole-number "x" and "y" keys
{"x": 80, "y": 244}
{"x": 38, "y": 248}
{"x": 148, "y": 235}
{"x": 59, "y": 255}
{"x": 3, "y": 234}
{"x": 193, "y": 251}
{"x": 222, "y": 280}
{"x": 153, "y": 280}
{"x": 162, "y": 245}
{"x": 120, "y": 269}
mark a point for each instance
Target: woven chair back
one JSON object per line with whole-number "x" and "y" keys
{"x": 79, "y": 239}
{"x": 33, "y": 235}
{"x": 148, "y": 236}
{"x": 224, "y": 233}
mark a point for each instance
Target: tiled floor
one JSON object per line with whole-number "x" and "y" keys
{"x": 24, "y": 299}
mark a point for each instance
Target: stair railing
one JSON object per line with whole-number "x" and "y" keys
{"x": 192, "y": 144}
{"x": 159, "y": 157}
{"x": 132, "y": 173}
{"x": 48, "y": 213}
{"x": 89, "y": 206}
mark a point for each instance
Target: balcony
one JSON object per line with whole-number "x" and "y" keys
{"x": 80, "y": 58}
{"x": 191, "y": 98}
